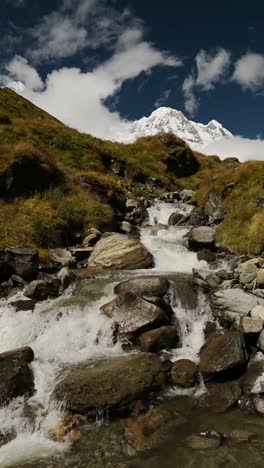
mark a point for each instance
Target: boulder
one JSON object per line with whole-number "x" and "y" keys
{"x": 260, "y": 278}
{"x": 254, "y": 376}
{"x": 16, "y": 377}
{"x": 41, "y": 290}
{"x": 232, "y": 304}
{"x": 223, "y": 355}
{"x": 251, "y": 325}
{"x": 24, "y": 262}
{"x": 93, "y": 235}
{"x": 202, "y": 237}
{"x": 177, "y": 219}
{"x": 149, "y": 429}
{"x": 119, "y": 251}
{"x": 257, "y": 312}
{"x": 206, "y": 256}
{"x": 247, "y": 271}
{"x": 59, "y": 258}
{"x": 184, "y": 373}
{"x": 206, "y": 279}
{"x": 133, "y": 315}
{"x": 66, "y": 277}
{"x": 219, "y": 397}
{"x": 239, "y": 436}
{"x": 166, "y": 337}
{"x": 182, "y": 163}
{"x": 23, "y": 305}
{"x": 114, "y": 384}
{"x": 187, "y": 195}
{"x": 146, "y": 286}
{"x": 213, "y": 208}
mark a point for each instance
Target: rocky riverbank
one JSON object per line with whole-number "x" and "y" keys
{"x": 199, "y": 335}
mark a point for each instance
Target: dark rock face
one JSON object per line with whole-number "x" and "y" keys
{"x": 151, "y": 286}
{"x": 223, "y": 356}
{"x": 114, "y": 384}
{"x": 16, "y": 377}
{"x": 41, "y": 290}
{"x": 181, "y": 160}
{"x": 133, "y": 315}
{"x": 202, "y": 237}
{"x": 26, "y": 176}
{"x": 184, "y": 373}
{"x": 24, "y": 262}
{"x": 23, "y": 305}
{"x": 220, "y": 397}
{"x": 166, "y": 337}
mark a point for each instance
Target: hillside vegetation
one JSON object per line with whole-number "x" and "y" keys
{"x": 56, "y": 182}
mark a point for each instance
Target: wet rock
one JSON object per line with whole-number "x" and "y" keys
{"x": 166, "y": 337}
{"x": 66, "y": 277}
{"x": 41, "y": 290}
{"x": 260, "y": 343}
{"x": 257, "y": 312}
{"x": 119, "y": 251}
{"x": 187, "y": 195}
{"x": 68, "y": 428}
{"x": 202, "y": 237}
{"x": 213, "y": 208}
{"x": 134, "y": 315}
{"x": 204, "y": 442}
{"x": 93, "y": 235}
{"x": 81, "y": 254}
{"x": 170, "y": 196}
{"x": 114, "y": 384}
{"x": 148, "y": 430}
{"x": 253, "y": 375}
{"x": 206, "y": 255}
{"x": 184, "y": 373}
{"x": 219, "y": 397}
{"x": 23, "y": 305}
{"x": 146, "y": 286}
{"x": 232, "y": 304}
{"x": 196, "y": 218}
{"x": 16, "y": 377}
{"x": 251, "y": 325}
{"x": 239, "y": 436}
{"x": 23, "y": 262}
{"x": 177, "y": 219}
{"x": 206, "y": 279}
{"x": 222, "y": 355}
{"x": 18, "y": 281}
{"x": 184, "y": 293}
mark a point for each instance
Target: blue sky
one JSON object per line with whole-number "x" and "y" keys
{"x": 96, "y": 64}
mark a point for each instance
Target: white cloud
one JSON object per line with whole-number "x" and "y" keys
{"x": 162, "y": 100}
{"x": 19, "y": 69}
{"x": 211, "y": 68}
{"x": 242, "y": 148}
{"x": 249, "y": 71}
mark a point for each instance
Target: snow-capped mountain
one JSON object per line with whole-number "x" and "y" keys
{"x": 165, "y": 119}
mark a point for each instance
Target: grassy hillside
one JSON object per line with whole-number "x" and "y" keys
{"x": 81, "y": 180}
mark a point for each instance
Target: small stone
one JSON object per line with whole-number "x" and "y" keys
{"x": 239, "y": 436}
{"x": 201, "y": 442}
{"x": 184, "y": 373}
{"x": 251, "y": 325}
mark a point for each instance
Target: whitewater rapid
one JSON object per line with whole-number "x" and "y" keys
{"x": 71, "y": 330}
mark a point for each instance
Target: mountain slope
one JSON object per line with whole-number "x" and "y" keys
{"x": 165, "y": 119}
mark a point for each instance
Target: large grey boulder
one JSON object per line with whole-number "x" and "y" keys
{"x": 222, "y": 354}
{"x": 202, "y": 237}
{"x": 114, "y": 384}
{"x": 118, "y": 251}
{"x": 16, "y": 377}
{"x": 24, "y": 262}
{"x": 247, "y": 271}
{"x": 232, "y": 304}
{"x": 133, "y": 315}
{"x": 146, "y": 286}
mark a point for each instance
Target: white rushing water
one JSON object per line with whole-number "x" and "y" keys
{"x": 71, "y": 330}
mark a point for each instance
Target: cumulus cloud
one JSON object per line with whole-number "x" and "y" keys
{"x": 249, "y": 71}
{"x": 244, "y": 149}
{"x": 20, "y": 69}
{"x": 211, "y": 68}
{"x": 73, "y": 95}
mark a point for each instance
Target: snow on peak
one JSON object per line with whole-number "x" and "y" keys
{"x": 165, "y": 119}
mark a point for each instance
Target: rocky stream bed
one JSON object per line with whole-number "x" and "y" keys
{"x": 142, "y": 347}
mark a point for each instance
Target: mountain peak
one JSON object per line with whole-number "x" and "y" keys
{"x": 166, "y": 119}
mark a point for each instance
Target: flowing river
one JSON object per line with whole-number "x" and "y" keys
{"x": 64, "y": 333}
